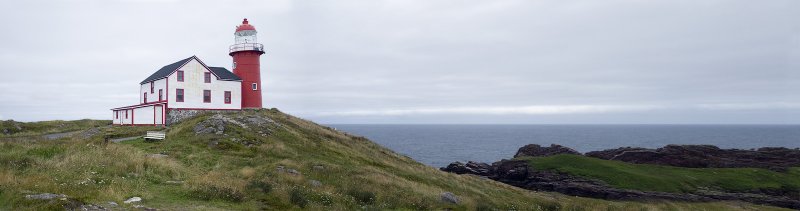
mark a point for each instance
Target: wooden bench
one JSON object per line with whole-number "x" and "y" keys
{"x": 155, "y": 135}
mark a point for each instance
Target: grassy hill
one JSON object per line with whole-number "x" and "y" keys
{"x": 262, "y": 159}
{"x": 668, "y": 178}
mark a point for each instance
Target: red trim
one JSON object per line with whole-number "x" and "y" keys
{"x": 145, "y": 97}
{"x": 160, "y": 94}
{"x": 139, "y": 106}
{"x": 209, "y": 109}
{"x": 133, "y": 118}
{"x": 152, "y": 87}
{"x": 134, "y": 124}
{"x": 228, "y": 97}
{"x": 154, "y": 115}
{"x": 187, "y": 62}
{"x": 182, "y": 94}
{"x": 204, "y": 96}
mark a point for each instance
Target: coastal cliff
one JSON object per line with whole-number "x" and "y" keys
{"x": 675, "y": 172}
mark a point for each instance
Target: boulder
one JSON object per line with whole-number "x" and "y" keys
{"x": 449, "y": 197}
{"x": 132, "y": 200}
{"x": 534, "y": 150}
{"x": 315, "y": 183}
{"x": 46, "y": 196}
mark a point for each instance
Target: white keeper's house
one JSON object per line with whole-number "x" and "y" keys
{"x": 190, "y": 84}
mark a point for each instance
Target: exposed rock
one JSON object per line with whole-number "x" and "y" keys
{"x": 159, "y": 155}
{"x": 90, "y": 132}
{"x": 292, "y": 171}
{"x": 210, "y": 126}
{"x": 318, "y": 168}
{"x": 449, "y": 197}
{"x": 280, "y": 169}
{"x": 133, "y": 200}
{"x": 174, "y": 182}
{"x": 46, "y": 196}
{"x": 315, "y": 183}
{"x": 471, "y": 167}
{"x": 91, "y": 207}
{"x": 705, "y": 156}
{"x": 112, "y": 204}
{"x": 534, "y": 150}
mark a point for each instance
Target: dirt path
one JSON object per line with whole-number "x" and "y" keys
{"x": 54, "y": 136}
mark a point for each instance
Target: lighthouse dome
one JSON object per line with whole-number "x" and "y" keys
{"x": 245, "y": 26}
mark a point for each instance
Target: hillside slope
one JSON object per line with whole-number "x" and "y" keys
{"x": 262, "y": 159}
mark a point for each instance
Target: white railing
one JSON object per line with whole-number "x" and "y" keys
{"x": 247, "y": 47}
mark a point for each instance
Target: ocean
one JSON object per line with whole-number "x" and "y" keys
{"x": 439, "y": 145}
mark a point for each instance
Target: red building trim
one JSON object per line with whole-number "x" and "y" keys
{"x": 139, "y": 106}
{"x": 209, "y": 109}
{"x": 183, "y": 95}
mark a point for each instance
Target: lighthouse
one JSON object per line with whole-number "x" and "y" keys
{"x": 246, "y": 53}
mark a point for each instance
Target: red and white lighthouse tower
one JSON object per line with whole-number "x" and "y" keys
{"x": 246, "y": 52}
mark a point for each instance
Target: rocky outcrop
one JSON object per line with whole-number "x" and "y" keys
{"x": 534, "y": 150}
{"x": 519, "y": 173}
{"x": 705, "y": 156}
{"x": 475, "y": 168}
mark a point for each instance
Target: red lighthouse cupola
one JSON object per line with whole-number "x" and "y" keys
{"x": 246, "y": 52}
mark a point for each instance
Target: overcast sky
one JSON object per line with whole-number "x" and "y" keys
{"x": 526, "y": 61}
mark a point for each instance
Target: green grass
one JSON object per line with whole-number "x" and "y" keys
{"x": 357, "y": 174}
{"x": 667, "y": 178}
{"x": 18, "y": 129}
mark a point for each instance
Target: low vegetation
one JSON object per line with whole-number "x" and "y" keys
{"x": 11, "y": 128}
{"x": 668, "y": 178}
{"x": 284, "y": 164}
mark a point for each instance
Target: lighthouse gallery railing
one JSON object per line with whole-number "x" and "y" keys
{"x": 247, "y": 47}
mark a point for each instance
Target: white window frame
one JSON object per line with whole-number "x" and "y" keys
{"x": 254, "y": 86}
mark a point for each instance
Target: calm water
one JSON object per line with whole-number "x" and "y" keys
{"x": 438, "y": 145}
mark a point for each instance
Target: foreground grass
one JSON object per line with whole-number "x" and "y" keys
{"x": 219, "y": 172}
{"x": 667, "y": 178}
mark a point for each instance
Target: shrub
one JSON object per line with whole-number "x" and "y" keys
{"x": 209, "y": 192}
{"x": 298, "y": 198}
{"x": 484, "y": 206}
{"x": 45, "y": 152}
{"x": 259, "y": 185}
{"x": 363, "y": 197}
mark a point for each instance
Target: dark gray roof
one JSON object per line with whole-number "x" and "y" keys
{"x": 165, "y": 71}
{"x": 224, "y": 74}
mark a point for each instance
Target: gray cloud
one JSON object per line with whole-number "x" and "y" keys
{"x": 423, "y": 61}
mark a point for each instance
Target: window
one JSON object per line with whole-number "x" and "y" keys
{"x": 160, "y": 95}
{"x": 180, "y": 75}
{"x": 126, "y": 114}
{"x": 145, "y": 97}
{"x": 234, "y": 65}
{"x": 227, "y": 97}
{"x": 151, "y": 87}
{"x": 178, "y": 95}
{"x": 206, "y": 96}
{"x": 116, "y": 114}
{"x": 255, "y": 86}
{"x": 207, "y": 77}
